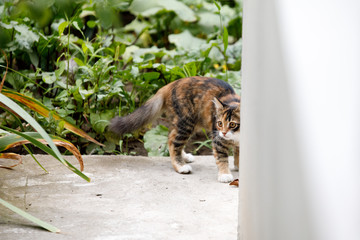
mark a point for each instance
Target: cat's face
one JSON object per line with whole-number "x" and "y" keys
{"x": 228, "y": 120}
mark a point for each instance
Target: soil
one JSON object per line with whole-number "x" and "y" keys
{"x": 134, "y": 147}
{"x": 137, "y": 147}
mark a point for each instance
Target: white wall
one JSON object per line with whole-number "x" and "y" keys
{"x": 300, "y": 126}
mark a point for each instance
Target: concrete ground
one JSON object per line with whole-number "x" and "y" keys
{"x": 127, "y": 198}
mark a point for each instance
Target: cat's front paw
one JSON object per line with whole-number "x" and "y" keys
{"x": 225, "y": 178}
{"x": 185, "y": 169}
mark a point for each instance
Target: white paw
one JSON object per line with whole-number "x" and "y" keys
{"x": 236, "y": 168}
{"x": 225, "y": 178}
{"x": 185, "y": 169}
{"x": 188, "y": 157}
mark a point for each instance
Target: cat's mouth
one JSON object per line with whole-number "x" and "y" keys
{"x": 224, "y": 136}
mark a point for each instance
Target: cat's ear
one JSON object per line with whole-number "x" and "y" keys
{"x": 218, "y": 103}
{"x": 238, "y": 108}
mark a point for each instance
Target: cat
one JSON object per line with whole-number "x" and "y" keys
{"x": 192, "y": 103}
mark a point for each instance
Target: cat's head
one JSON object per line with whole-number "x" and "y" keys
{"x": 228, "y": 119}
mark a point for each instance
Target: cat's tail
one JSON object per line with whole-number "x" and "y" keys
{"x": 140, "y": 117}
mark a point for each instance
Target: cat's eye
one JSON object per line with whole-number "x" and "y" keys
{"x": 232, "y": 125}
{"x": 219, "y": 123}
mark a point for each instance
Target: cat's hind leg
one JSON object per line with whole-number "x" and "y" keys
{"x": 179, "y": 135}
{"x": 177, "y": 142}
{"x": 188, "y": 157}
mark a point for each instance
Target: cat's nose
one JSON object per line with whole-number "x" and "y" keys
{"x": 224, "y": 133}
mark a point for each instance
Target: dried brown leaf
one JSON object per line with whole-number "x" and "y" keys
{"x": 235, "y": 183}
{"x": 11, "y": 156}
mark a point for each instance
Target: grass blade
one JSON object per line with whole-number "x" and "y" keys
{"x": 40, "y": 108}
{"x": 46, "y": 149}
{"x": 13, "y": 140}
{"x": 26, "y": 116}
{"x": 33, "y": 157}
{"x": 29, "y": 217}
{"x": 54, "y": 151}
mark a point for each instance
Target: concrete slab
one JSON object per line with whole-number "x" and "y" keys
{"x": 128, "y": 198}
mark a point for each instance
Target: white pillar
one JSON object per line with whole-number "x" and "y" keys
{"x": 300, "y": 121}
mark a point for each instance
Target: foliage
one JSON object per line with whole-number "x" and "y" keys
{"x": 12, "y": 140}
{"x": 52, "y": 150}
{"x": 87, "y": 61}
{"x": 206, "y": 143}
{"x": 39, "y": 139}
{"x": 156, "y": 141}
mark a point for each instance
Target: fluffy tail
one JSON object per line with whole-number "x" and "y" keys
{"x": 140, "y": 117}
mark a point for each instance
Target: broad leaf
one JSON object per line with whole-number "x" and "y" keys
{"x": 186, "y": 40}
{"x": 62, "y": 27}
{"x": 149, "y": 8}
{"x": 155, "y": 141}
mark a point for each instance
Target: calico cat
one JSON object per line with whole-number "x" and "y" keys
{"x": 193, "y": 103}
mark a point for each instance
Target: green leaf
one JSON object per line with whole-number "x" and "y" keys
{"x": 54, "y": 150}
{"x": 183, "y": 11}
{"x": 149, "y": 8}
{"x": 149, "y": 76}
{"x": 109, "y": 147}
{"x": 25, "y": 36}
{"x": 40, "y": 108}
{"x": 99, "y": 121}
{"x": 155, "y": 141}
{"x": 149, "y": 57}
{"x": 48, "y": 150}
{"x": 61, "y": 69}
{"x": 186, "y": 40}
{"x": 190, "y": 69}
{"x": 16, "y": 108}
{"x": 84, "y": 47}
{"x": 49, "y": 77}
{"x": 76, "y": 25}
{"x": 137, "y": 26}
{"x": 78, "y": 61}
{"x": 13, "y": 140}
{"x": 217, "y": 5}
{"x": 117, "y": 50}
{"x": 62, "y": 27}
{"x": 34, "y": 58}
{"x": 91, "y": 24}
{"x": 225, "y": 39}
{"x": 29, "y": 217}
{"x": 87, "y": 46}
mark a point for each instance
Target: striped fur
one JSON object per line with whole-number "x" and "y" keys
{"x": 193, "y": 104}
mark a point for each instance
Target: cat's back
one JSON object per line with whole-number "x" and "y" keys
{"x": 194, "y": 89}
{"x": 192, "y": 98}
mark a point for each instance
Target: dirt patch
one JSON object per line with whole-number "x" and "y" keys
{"x": 136, "y": 147}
